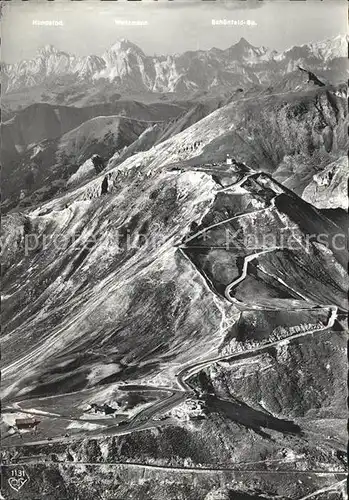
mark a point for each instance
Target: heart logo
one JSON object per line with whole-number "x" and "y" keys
{"x": 16, "y": 483}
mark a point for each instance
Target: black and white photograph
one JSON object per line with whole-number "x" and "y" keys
{"x": 174, "y": 249}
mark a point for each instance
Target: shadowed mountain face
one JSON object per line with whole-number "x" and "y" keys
{"x": 52, "y": 162}
{"x": 307, "y": 133}
{"x": 54, "y": 121}
{"x": 42, "y": 158}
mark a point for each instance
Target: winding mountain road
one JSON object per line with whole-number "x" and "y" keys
{"x": 225, "y": 221}
{"x": 243, "y": 275}
{"x": 142, "y": 420}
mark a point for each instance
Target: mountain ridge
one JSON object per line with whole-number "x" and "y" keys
{"x": 130, "y": 68}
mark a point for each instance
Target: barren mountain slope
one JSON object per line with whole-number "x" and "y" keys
{"x": 125, "y": 238}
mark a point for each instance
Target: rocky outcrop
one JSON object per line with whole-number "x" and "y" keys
{"x": 328, "y": 188}
{"x": 312, "y": 77}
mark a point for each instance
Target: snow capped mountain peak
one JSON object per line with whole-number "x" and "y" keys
{"x": 125, "y": 63}
{"x": 326, "y": 50}
{"x": 47, "y": 50}
{"x": 243, "y": 50}
{"x": 241, "y": 46}
{"x": 120, "y": 59}
{"x": 124, "y": 45}
{"x": 331, "y": 48}
{"x": 243, "y": 43}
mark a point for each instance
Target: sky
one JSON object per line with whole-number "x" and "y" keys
{"x": 89, "y": 26}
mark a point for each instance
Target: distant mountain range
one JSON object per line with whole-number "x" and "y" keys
{"x": 130, "y": 69}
